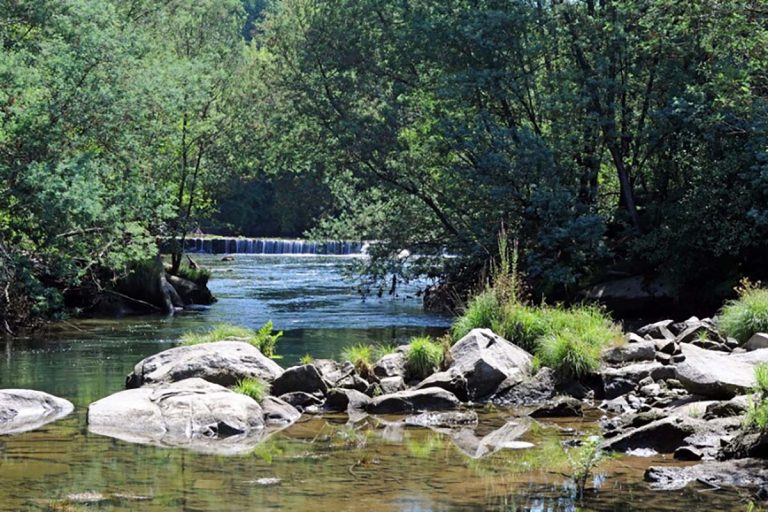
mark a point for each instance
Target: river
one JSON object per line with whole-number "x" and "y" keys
{"x": 320, "y": 463}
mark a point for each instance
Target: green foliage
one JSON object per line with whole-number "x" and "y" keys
{"x": 584, "y": 460}
{"x": 423, "y": 358}
{"x": 748, "y": 314}
{"x": 263, "y": 338}
{"x": 307, "y": 359}
{"x": 481, "y": 312}
{"x": 522, "y": 324}
{"x": 575, "y": 340}
{"x": 254, "y": 388}
{"x": 757, "y": 412}
{"x": 199, "y": 276}
{"x": 361, "y": 355}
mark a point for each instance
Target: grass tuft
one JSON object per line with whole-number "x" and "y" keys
{"x": 423, "y": 358}
{"x": 263, "y": 339}
{"x": 481, "y": 312}
{"x": 199, "y": 276}
{"x": 748, "y": 314}
{"x": 306, "y": 359}
{"x": 254, "y": 388}
{"x": 757, "y": 412}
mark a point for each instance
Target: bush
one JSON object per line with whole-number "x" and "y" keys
{"x": 482, "y": 312}
{"x": 199, "y": 276}
{"x": 575, "y": 340}
{"x": 423, "y": 358}
{"x": 743, "y": 317}
{"x": 263, "y": 339}
{"x": 254, "y": 388}
{"x": 757, "y": 414}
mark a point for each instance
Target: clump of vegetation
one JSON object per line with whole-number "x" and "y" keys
{"x": 263, "y": 338}
{"x": 361, "y": 356}
{"x": 254, "y": 388}
{"x": 584, "y": 460}
{"x": 569, "y": 340}
{"x": 423, "y": 358}
{"x": 746, "y": 315}
{"x": 199, "y": 276}
{"x": 757, "y": 414}
{"x": 306, "y": 359}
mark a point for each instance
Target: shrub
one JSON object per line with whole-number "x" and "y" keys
{"x": 481, "y": 312}
{"x": 254, "y": 388}
{"x": 748, "y": 314}
{"x": 575, "y": 340}
{"x": 361, "y": 356}
{"x": 263, "y": 339}
{"x": 424, "y": 356}
{"x": 757, "y": 413}
{"x": 199, "y": 276}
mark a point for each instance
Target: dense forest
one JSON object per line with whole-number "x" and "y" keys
{"x": 608, "y": 138}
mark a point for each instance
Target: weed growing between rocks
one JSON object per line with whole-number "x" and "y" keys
{"x": 746, "y": 315}
{"x": 423, "y": 358}
{"x": 263, "y": 338}
{"x": 254, "y": 388}
{"x": 757, "y": 413}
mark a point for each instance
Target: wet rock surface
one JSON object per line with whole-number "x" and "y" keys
{"x": 22, "y": 410}
{"x": 738, "y": 473}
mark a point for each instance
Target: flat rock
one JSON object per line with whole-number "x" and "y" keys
{"x": 306, "y": 378}
{"x": 427, "y": 399}
{"x": 222, "y": 362}
{"x": 192, "y": 413}
{"x": 22, "y": 410}
{"x": 738, "y": 473}
{"x": 715, "y": 374}
{"x": 485, "y": 360}
{"x": 563, "y": 407}
{"x": 631, "y": 352}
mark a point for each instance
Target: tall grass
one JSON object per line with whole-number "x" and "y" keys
{"x": 482, "y": 312}
{"x": 748, "y": 314}
{"x": 423, "y": 358}
{"x": 263, "y": 338}
{"x": 757, "y": 412}
{"x": 254, "y": 388}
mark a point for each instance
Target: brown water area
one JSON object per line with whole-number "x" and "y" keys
{"x": 321, "y": 463}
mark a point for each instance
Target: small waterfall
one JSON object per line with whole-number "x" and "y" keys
{"x": 272, "y": 246}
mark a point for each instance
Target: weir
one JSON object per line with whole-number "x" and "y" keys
{"x": 272, "y": 246}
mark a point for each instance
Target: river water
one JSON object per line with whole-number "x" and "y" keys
{"x": 320, "y": 463}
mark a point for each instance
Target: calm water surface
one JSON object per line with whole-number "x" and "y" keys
{"x": 320, "y": 463}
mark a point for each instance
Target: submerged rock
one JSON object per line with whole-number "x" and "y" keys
{"x": 486, "y": 360}
{"x": 222, "y": 362}
{"x": 192, "y": 413}
{"x": 22, "y": 410}
{"x": 738, "y": 473}
{"x": 446, "y": 419}
{"x": 428, "y": 399}
{"x": 506, "y": 437}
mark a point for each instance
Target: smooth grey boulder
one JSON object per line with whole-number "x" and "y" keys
{"x": 451, "y": 380}
{"x": 428, "y": 399}
{"x": 392, "y": 385}
{"x": 715, "y": 374}
{"x": 664, "y": 435}
{"x": 738, "y": 473}
{"x": 22, "y": 410}
{"x": 192, "y": 413}
{"x": 390, "y": 365}
{"x": 631, "y": 352}
{"x": 485, "y": 360}
{"x": 535, "y": 389}
{"x": 304, "y": 378}
{"x": 222, "y": 362}
{"x": 757, "y": 341}
{"x": 346, "y": 400}
{"x": 278, "y": 412}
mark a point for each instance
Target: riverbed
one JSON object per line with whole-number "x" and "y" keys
{"x": 321, "y": 462}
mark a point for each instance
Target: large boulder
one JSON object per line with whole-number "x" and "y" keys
{"x": 305, "y": 378}
{"x": 346, "y": 400}
{"x": 485, "y": 360}
{"x": 631, "y": 352}
{"x": 717, "y": 375}
{"x": 664, "y": 435}
{"x": 390, "y": 365}
{"x": 533, "y": 390}
{"x": 757, "y": 341}
{"x": 222, "y": 362}
{"x": 192, "y": 413}
{"x": 428, "y": 399}
{"x": 190, "y": 292}
{"x": 22, "y": 410}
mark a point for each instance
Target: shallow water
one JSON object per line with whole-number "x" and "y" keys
{"x": 320, "y": 463}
